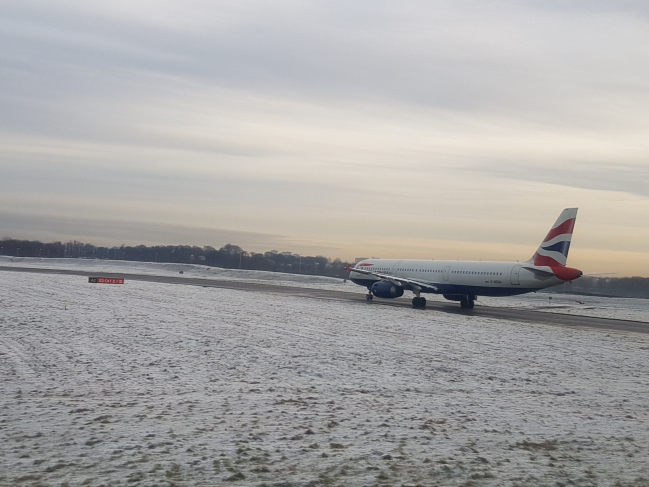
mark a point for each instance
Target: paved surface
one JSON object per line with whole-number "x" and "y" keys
{"x": 512, "y": 314}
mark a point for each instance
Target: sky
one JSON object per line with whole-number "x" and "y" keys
{"x": 410, "y": 129}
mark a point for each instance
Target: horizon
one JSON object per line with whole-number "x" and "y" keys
{"x": 331, "y": 258}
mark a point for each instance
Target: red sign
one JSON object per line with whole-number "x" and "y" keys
{"x": 106, "y": 280}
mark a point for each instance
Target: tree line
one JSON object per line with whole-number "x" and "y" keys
{"x": 622, "y": 287}
{"x": 229, "y": 256}
{"x": 234, "y": 257}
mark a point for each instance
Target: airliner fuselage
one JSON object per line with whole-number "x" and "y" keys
{"x": 465, "y": 280}
{"x": 459, "y": 277}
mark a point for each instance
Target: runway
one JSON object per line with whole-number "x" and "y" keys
{"x": 511, "y": 314}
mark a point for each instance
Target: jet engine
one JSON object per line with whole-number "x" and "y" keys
{"x": 385, "y": 289}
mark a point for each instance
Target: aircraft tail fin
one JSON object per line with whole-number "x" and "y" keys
{"x": 553, "y": 251}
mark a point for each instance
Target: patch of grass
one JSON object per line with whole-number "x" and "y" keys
{"x": 235, "y": 477}
{"x": 382, "y": 477}
{"x": 103, "y": 419}
{"x": 547, "y": 445}
{"x": 58, "y": 466}
{"x": 27, "y": 478}
{"x": 173, "y": 472}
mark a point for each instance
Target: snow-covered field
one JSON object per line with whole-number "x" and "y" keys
{"x": 188, "y": 270}
{"x": 160, "y": 384}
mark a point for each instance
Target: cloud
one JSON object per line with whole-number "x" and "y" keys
{"x": 115, "y": 232}
{"x": 595, "y": 175}
{"x": 327, "y": 123}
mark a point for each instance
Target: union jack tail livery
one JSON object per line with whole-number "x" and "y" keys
{"x": 553, "y": 252}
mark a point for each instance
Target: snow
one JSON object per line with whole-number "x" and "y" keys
{"x": 188, "y": 271}
{"x": 160, "y": 384}
{"x": 617, "y": 308}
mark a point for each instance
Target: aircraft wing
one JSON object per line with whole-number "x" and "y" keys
{"x": 404, "y": 282}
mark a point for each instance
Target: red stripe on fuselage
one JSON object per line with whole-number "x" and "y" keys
{"x": 567, "y": 273}
{"x": 561, "y": 271}
{"x": 565, "y": 227}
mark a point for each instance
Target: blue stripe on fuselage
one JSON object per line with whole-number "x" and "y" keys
{"x": 454, "y": 289}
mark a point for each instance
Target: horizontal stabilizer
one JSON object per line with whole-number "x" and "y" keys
{"x": 539, "y": 272}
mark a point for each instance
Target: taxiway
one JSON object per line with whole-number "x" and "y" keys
{"x": 511, "y": 314}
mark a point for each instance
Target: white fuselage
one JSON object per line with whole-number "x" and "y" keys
{"x": 460, "y": 277}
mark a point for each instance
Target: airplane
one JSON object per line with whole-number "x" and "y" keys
{"x": 464, "y": 281}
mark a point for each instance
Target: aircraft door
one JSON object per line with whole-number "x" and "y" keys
{"x": 395, "y": 267}
{"x": 447, "y": 271}
{"x": 515, "y": 279}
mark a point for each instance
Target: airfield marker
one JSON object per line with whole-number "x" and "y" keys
{"x": 107, "y": 280}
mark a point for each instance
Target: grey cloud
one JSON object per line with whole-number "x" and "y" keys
{"x": 115, "y": 232}
{"x": 417, "y": 53}
{"x": 625, "y": 178}
{"x": 137, "y": 185}
{"x": 632, "y": 7}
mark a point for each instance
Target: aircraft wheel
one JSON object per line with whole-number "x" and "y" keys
{"x": 418, "y": 303}
{"x": 369, "y": 297}
{"x": 470, "y": 304}
{"x": 464, "y": 304}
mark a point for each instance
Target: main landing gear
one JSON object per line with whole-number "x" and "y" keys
{"x": 369, "y": 297}
{"x": 467, "y": 302}
{"x": 418, "y": 302}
